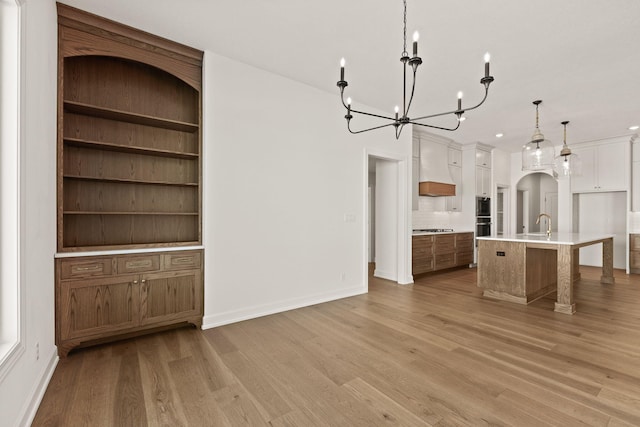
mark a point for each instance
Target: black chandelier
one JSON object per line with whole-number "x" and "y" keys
{"x": 400, "y": 121}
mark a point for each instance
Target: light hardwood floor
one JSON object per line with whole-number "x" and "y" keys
{"x": 434, "y": 353}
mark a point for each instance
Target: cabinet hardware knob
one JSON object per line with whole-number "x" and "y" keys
{"x": 135, "y": 282}
{"x": 144, "y": 280}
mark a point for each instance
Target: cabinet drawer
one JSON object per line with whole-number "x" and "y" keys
{"x": 634, "y": 242}
{"x": 445, "y": 261}
{"x": 463, "y": 258}
{"x": 422, "y": 241}
{"x": 422, "y": 265}
{"x": 136, "y": 264}
{"x": 464, "y": 245}
{"x": 445, "y": 244}
{"x": 464, "y": 237}
{"x": 182, "y": 260}
{"x": 634, "y": 259}
{"x": 85, "y": 267}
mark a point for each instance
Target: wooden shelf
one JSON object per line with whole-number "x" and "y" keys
{"x": 125, "y": 116}
{"x": 132, "y": 181}
{"x": 129, "y": 149}
{"x": 129, "y": 213}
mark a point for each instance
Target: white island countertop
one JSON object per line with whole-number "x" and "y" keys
{"x": 555, "y": 238}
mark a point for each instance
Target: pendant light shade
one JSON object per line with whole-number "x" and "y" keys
{"x": 538, "y": 154}
{"x": 567, "y": 163}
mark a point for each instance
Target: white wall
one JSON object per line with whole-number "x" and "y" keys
{"x": 22, "y": 387}
{"x": 285, "y": 194}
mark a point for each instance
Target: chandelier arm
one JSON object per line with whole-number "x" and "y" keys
{"x": 413, "y": 88}
{"x": 362, "y": 112}
{"x": 366, "y": 130}
{"x": 486, "y": 93}
{"x": 435, "y": 127}
{"x": 374, "y": 115}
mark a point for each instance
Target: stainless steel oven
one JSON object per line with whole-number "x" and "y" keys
{"x": 483, "y": 206}
{"x": 483, "y": 227}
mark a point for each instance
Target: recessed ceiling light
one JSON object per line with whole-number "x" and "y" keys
{"x": 499, "y": 135}
{"x": 635, "y": 127}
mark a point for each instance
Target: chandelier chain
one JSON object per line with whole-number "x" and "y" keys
{"x": 404, "y": 52}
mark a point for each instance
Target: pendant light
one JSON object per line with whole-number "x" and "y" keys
{"x": 538, "y": 154}
{"x": 567, "y": 163}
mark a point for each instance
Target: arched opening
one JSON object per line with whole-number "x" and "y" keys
{"x": 536, "y": 193}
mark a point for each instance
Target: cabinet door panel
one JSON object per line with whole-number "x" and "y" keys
{"x": 98, "y": 306}
{"x": 171, "y": 296}
{"x": 612, "y": 167}
{"x": 455, "y": 157}
{"x": 587, "y": 180}
{"x": 454, "y": 203}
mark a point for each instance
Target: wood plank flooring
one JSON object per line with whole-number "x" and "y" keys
{"x": 435, "y": 353}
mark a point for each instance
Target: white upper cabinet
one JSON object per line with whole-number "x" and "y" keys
{"x": 455, "y": 157}
{"x": 483, "y": 158}
{"x": 483, "y": 182}
{"x": 604, "y": 168}
{"x": 454, "y": 203}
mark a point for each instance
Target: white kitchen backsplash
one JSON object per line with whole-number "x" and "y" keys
{"x": 431, "y": 214}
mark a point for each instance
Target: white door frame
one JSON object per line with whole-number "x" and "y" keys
{"x": 403, "y": 226}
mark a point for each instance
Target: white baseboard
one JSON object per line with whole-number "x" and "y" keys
{"x": 36, "y": 395}
{"x": 385, "y": 275}
{"x": 233, "y": 316}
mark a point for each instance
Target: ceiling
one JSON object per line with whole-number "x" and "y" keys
{"x": 580, "y": 57}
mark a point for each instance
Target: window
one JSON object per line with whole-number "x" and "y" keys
{"x": 10, "y": 338}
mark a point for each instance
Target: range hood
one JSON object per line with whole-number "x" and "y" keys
{"x": 435, "y": 179}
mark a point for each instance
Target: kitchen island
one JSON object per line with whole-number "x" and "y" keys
{"x": 524, "y": 267}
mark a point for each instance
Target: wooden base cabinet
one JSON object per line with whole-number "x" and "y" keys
{"x": 441, "y": 251}
{"x": 103, "y": 298}
{"x": 634, "y": 253}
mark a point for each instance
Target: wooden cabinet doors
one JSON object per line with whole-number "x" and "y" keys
{"x": 98, "y": 307}
{"x": 170, "y": 296}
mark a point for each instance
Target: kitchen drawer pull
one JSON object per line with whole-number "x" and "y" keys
{"x": 138, "y": 264}
{"x": 182, "y": 260}
{"x": 91, "y": 268}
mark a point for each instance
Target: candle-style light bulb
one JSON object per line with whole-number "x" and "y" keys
{"x": 487, "y": 58}
{"x": 348, "y": 105}
{"x": 459, "y": 100}
{"x": 416, "y": 36}
{"x": 397, "y": 110}
{"x": 342, "y": 62}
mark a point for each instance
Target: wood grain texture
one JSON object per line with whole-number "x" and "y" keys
{"x": 435, "y": 353}
{"x": 107, "y": 297}
{"x": 129, "y": 137}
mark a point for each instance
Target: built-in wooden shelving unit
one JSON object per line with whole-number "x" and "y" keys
{"x": 129, "y": 178}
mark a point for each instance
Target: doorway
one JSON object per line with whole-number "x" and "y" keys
{"x": 536, "y": 193}
{"x": 387, "y": 223}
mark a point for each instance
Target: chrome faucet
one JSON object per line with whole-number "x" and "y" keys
{"x": 548, "y": 223}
